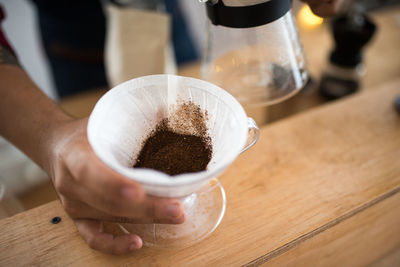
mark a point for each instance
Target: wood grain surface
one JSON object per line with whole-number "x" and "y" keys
{"x": 358, "y": 241}
{"x": 311, "y": 178}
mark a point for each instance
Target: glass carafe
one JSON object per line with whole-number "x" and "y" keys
{"x": 253, "y": 50}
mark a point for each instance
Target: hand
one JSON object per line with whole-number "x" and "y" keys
{"x": 91, "y": 192}
{"x": 324, "y": 8}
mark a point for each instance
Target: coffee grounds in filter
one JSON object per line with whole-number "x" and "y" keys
{"x": 179, "y": 144}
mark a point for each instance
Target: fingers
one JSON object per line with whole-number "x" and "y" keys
{"x": 92, "y": 233}
{"x": 77, "y": 209}
{"x": 161, "y": 208}
{"x": 148, "y": 208}
{"x": 91, "y": 173}
{"x": 106, "y": 190}
{"x": 178, "y": 220}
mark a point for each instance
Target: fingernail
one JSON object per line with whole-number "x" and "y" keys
{"x": 136, "y": 245}
{"x": 173, "y": 210}
{"x": 179, "y": 220}
{"x": 128, "y": 193}
{"x": 133, "y": 246}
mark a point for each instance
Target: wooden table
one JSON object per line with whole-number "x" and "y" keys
{"x": 320, "y": 188}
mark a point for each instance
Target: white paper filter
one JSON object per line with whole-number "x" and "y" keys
{"x": 123, "y": 118}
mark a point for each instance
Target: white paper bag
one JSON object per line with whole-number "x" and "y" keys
{"x": 137, "y": 44}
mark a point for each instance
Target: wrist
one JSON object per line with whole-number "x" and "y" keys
{"x": 53, "y": 140}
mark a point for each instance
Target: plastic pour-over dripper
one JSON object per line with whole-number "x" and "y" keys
{"x": 125, "y": 116}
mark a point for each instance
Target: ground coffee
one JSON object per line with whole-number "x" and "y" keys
{"x": 170, "y": 151}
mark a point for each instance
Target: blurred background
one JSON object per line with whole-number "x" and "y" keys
{"x": 108, "y": 34}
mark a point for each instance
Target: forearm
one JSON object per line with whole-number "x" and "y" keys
{"x": 28, "y": 118}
